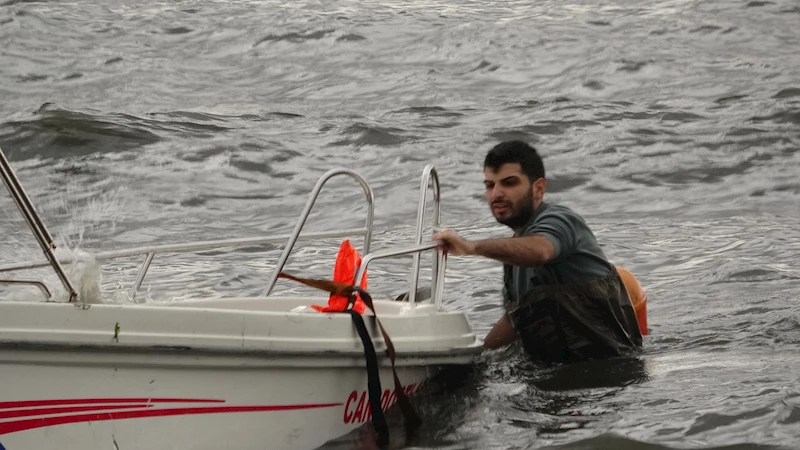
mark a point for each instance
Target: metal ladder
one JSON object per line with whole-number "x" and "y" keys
{"x": 429, "y": 179}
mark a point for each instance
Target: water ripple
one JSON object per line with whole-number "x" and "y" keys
{"x": 672, "y": 126}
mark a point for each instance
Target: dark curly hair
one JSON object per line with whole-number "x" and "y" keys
{"x": 516, "y": 152}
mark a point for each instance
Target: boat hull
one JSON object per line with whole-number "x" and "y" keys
{"x": 234, "y": 374}
{"x": 94, "y": 400}
{"x": 220, "y": 373}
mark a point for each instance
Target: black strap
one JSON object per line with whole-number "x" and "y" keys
{"x": 373, "y": 380}
{"x": 412, "y": 420}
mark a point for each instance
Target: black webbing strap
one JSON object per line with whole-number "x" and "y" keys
{"x": 412, "y": 420}
{"x": 373, "y": 380}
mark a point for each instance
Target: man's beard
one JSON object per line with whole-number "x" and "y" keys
{"x": 521, "y": 212}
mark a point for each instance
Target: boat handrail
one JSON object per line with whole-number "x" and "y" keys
{"x": 307, "y": 210}
{"x": 188, "y": 247}
{"x": 34, "y": 222}
{"x": 430, "y": 178}
{"x": 436, "y": 294}
{"x": 38, "y": 284}
{"x": 46, "y": 241}
{"x": 149, "y": 252}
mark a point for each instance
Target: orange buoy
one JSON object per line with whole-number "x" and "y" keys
{"x": 638, "y": 297}
{"x": 347, "y": 262}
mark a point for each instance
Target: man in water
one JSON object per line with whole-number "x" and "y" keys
{"x": 564, "y": 300}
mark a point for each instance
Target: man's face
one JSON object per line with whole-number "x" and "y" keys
{"x": 511, "y": 195}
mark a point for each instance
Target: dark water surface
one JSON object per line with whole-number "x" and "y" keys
{"x": 673, "y": 126}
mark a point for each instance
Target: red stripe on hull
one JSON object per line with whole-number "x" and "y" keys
{"x": 70, "y": 409}
{"x": 94, "y": 401}
{"x": 28, "y": 424}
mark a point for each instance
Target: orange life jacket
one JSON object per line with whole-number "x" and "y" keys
{"x": 638, "y": 297}
{"x": 347, "y": 262}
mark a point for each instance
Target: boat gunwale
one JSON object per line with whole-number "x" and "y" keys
{"x": 157, "y": 350}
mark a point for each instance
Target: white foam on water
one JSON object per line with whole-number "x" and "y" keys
{"x": 97, "y": 211}
{"x": 80, "y": 267}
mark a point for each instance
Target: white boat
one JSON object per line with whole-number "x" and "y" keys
{"x": 223, "y": 373}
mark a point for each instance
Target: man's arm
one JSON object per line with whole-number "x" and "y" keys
{"x": 500, "y": 335}
{"x": 530, "y": 251}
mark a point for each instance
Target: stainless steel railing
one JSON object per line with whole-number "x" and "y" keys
{"x": 307, "y": 210}
{"x": 429, "y": 175}
{"x": 150, "y": 252}
{"x": 38, "y": 284}
{"x": 429, "y": 180}
{"x": 34, "y": 222}
{"x": 437, "y": 290}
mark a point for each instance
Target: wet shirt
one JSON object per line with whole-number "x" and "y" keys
{"x": 576, "y": 306}
{"x": 578, "y": 259}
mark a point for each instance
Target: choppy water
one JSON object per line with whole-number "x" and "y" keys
{"x": 673, "y": 126}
